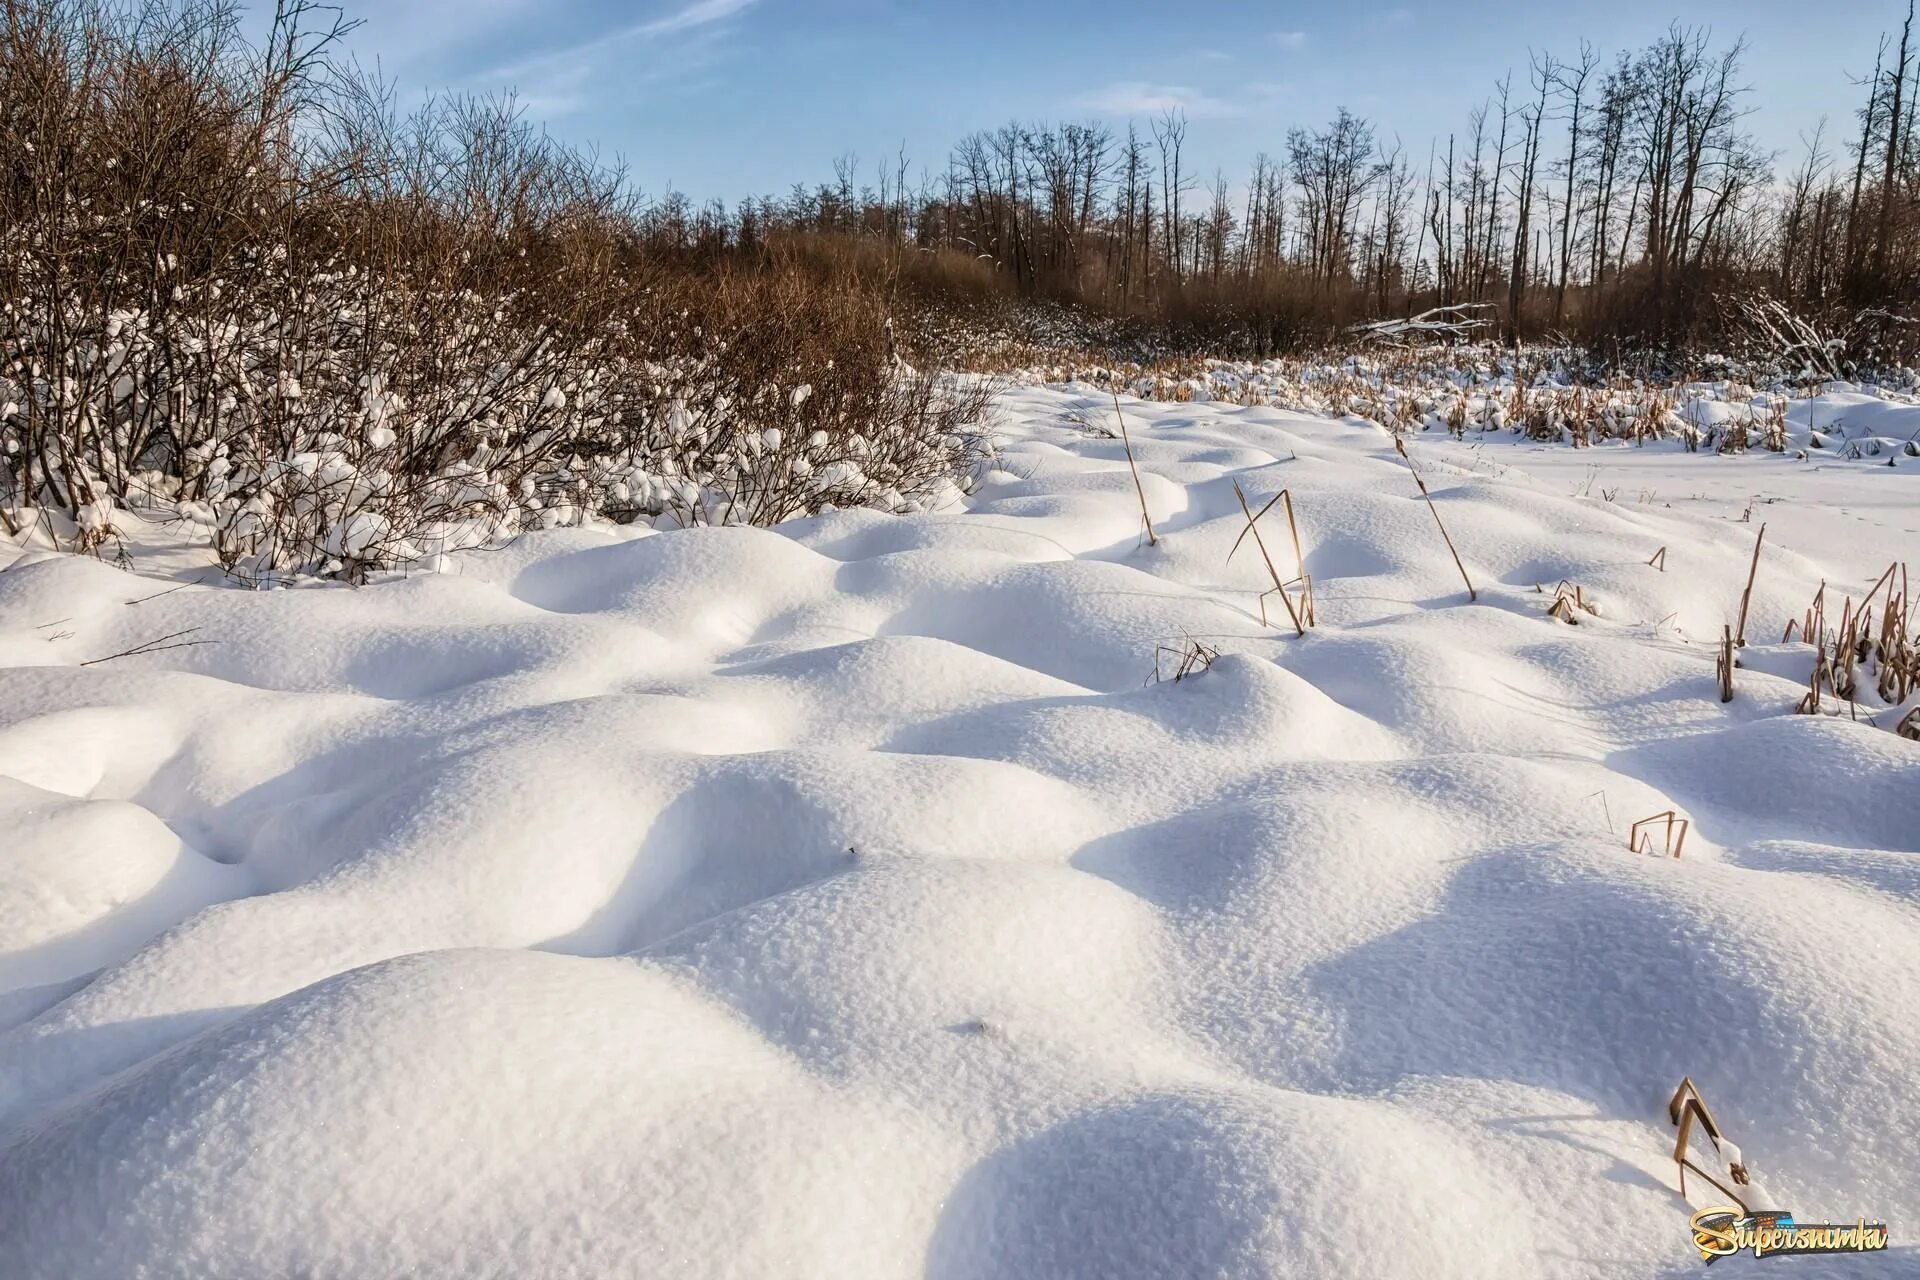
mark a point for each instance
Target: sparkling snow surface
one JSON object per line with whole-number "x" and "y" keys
{"x": 846, "y": 900}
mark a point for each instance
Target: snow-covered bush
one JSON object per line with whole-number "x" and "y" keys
{"x": 769, "y": 394}
{"x": 235, "y": 292}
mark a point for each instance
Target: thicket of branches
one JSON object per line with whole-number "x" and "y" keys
{"x": 1617, "y": 203}
{"x": 238, "y": 288}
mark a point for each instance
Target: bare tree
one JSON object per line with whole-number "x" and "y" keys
{"x": 1170, "y": 135}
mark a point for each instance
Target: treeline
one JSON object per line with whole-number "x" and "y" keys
{"x": 1613, "y": 202}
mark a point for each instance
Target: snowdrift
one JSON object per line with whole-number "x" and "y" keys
{"x": 849, "y": 898}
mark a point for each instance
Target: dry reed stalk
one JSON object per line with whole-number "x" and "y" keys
{"x": 1810, "y": 705}
{"x": 1746, "y": 597}
{"x": 1847, "y": 653}
{"x": 1675, "y": 833}
{"x": 1896, "y": 657}
{"x": 1305, "y": 579}
{"x": 1659, "y": 560}
{"x": 1566, "y": 599}
{"x": 1725, "y": 664}
{"x": 1401, "y": 447}
{"x": 1133, "y": 466}
{"x": 1253, "y": 527}
{"x": 1885, "y": 578}
{"x": 1683, "y": 1110}
{"x": 1194, "y": 657}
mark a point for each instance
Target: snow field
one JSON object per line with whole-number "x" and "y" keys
{"x": 847, "y": 899}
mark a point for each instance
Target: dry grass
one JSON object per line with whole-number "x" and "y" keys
{"x": 1746, "y": 597}
{"x": 1864, "y": 643}
{"x": 1673, "y": 834}
{"x": 1280, "y": 588}
{"x": 1686, "y": 1109}
{"x": 1569, "y": 602}
{"x": 1724, "y": 663}
{"x": 1189, "y": 657}
{"x": 1400, "y": 446}
{"x": 1138, "y": 489}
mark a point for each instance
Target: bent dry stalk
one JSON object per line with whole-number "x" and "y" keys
{"x": 1400, "y": 447}
{"x": 1253, "y": 527}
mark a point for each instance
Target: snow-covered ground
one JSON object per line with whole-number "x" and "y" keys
{"x": 849, "y": 899}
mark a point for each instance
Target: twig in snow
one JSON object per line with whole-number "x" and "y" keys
{"x": 1604, "y": 809}
{"x": 156, "y": 595}
{"x": 157, "y": 645}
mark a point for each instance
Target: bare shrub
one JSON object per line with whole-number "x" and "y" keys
{"x": 236, "y": 288}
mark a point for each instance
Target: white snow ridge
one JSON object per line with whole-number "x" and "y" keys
{"x": 849, "y": 900}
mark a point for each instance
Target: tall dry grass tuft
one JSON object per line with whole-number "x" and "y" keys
{"x": 1860, "y": 647}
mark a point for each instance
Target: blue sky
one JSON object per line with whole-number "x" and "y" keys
{"x": 723, "y": 98}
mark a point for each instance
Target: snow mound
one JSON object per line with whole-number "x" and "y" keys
{"x": 439, "y": 1114}
{"x": 868, "y": 897}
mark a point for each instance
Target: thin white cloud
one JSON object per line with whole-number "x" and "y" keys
{"x": 697, "y": 14}
{"x": 1290, "y": 39}
{"x": 701, "y": 13}
{"x": 1138, "y": 97}
{"x": 412, "y": 41}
